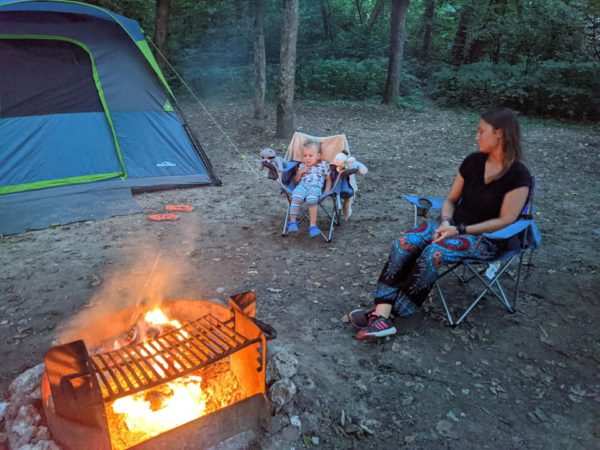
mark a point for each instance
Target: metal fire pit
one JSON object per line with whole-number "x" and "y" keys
{"x": 78, "y": 387}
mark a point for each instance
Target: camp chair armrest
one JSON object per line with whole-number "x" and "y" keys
{"x": 510, "y": 230}
{"x": 421, "y": 202}
{"x": 347, "y": 172}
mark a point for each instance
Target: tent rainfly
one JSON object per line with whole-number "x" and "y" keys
{"x": 83, "y": 103}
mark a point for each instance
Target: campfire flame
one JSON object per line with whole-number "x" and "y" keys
{"x": 183, "y": 402}
{"x": 167, "y": 406}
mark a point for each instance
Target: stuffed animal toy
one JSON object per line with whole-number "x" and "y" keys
{"x": 343, "y": 161}
{"x": 270, "y": 160}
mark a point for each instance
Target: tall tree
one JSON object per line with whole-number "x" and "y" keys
{"x": 427, "y": 28}
{"x": 398, "y": 36}
{"x": 375, "y": 13}
{"x": 460, "y": 39}
{"x": 361, "y": 13}
{"x": 161, "y": 30}
{"x": 260, "y": 78}
{"x": 287, "y": 72}
{"x": 326, "y": 15}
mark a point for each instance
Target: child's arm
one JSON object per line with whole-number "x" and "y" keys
{"x": 328, "y": 183}
{"x": 299, "y": 173}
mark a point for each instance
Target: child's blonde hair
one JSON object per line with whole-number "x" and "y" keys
{"x": 313, "y": 144}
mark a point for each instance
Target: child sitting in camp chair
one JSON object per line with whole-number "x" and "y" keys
{"x": 312, "y": 173}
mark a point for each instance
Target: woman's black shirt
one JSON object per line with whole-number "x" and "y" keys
{"x": 480, "y": 201}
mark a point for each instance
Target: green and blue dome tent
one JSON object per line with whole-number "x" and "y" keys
{"x": 85, "y": 107}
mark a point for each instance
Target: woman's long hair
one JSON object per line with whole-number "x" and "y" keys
{"x": 505, "y": 119}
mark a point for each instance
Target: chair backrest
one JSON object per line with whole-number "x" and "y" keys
{"x": 529, "y": 207}
{"x": 531, "y": 236}
{"x": 330, "y": 146}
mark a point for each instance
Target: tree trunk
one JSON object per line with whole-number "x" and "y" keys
{"x": 326, "y": 14}
{"x": 161, "y": 31}
{"x": 398, "y": 36}
{"x": 460, "y": 39}
{"x": 361, "y": 13}
{"x": 260, "y": 78}
{"x": 428, "y": 29}
{"x": 287, "y": 73}
{"x": 374, "y": 17}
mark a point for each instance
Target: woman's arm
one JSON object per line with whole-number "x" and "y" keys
{"x": 448, "y": 207}
{"x": 512, "y": 205}
{"x": 452, "y": 199}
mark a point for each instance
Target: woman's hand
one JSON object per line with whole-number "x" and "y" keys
{"x": 444, "y": 231}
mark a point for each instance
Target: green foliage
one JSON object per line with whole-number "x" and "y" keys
{"x": 556, "y": 89}
{"x": 341, "y": 78}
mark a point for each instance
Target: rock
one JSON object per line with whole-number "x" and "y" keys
{"x": 27, "y": 382}
{"x": 310, "y": 422}
{"x": 295, "y": 421}
{"x": 452, "y": 416}
{"x": 221, "y": 290}
{"x": 290, "y": 433}
{"x": 352, "y": 429}
{"x": 43, "y": 434}
{"x": 446, "y": 429}
{"x": 315, "y": 440}
{"x": 274, "y": 290}
{"x": 282, "y": 365}
{"x": 21, "y": 435}
{"x": 282, "y": 392}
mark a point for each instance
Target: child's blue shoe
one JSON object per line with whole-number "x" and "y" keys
{"x": 292, "y": 227}
{"x": 314, "y": 231}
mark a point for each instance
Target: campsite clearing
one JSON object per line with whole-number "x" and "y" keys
{"x": 528, "y": 380}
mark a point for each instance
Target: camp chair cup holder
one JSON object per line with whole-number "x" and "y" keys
{"x": 423, "y": 206}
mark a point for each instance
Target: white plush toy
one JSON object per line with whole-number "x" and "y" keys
{"x": 343, "y": 161}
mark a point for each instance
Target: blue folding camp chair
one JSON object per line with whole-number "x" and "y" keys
{"x": 522, "y": 238}
{"x": 334, "y": 204}
{"x": 330, "y": 202}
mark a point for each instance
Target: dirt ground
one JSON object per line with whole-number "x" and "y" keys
{"x": 529, "y": 380}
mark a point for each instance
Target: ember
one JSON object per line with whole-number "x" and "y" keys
{"x": 154, "y": 411}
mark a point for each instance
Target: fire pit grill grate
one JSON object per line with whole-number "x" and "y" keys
{"x": 170, "y": 355}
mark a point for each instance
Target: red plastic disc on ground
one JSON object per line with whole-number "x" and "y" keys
{"x": 182, "y": 208}
{"x": 163, "y": 217}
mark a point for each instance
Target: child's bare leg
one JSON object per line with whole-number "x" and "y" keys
{"x": 312, "y": 214}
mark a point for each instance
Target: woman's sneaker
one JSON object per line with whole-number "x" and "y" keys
{"x": 378, "y": 327}
{"x": 359, "y": 318}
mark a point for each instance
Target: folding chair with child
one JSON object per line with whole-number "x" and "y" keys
{"x": 335, "y": 203}
{"x": 516, "y": 240}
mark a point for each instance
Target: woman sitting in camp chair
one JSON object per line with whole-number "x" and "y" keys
{"x": 488, "y": 193}
{"x": 312, "y": 173}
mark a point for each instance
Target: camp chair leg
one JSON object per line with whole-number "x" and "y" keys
{"x": 284, "y": 232}
{"x": 444, "y": 304}
{"x": 518, "y": 282}
{"x": 489, "y": 286}
{"x": 529, "y": 263}
{"x": 416, "y": 219}
{"x": 335, "y": 220}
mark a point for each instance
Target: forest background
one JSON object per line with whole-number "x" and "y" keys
{"x": 540, "y": 57}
